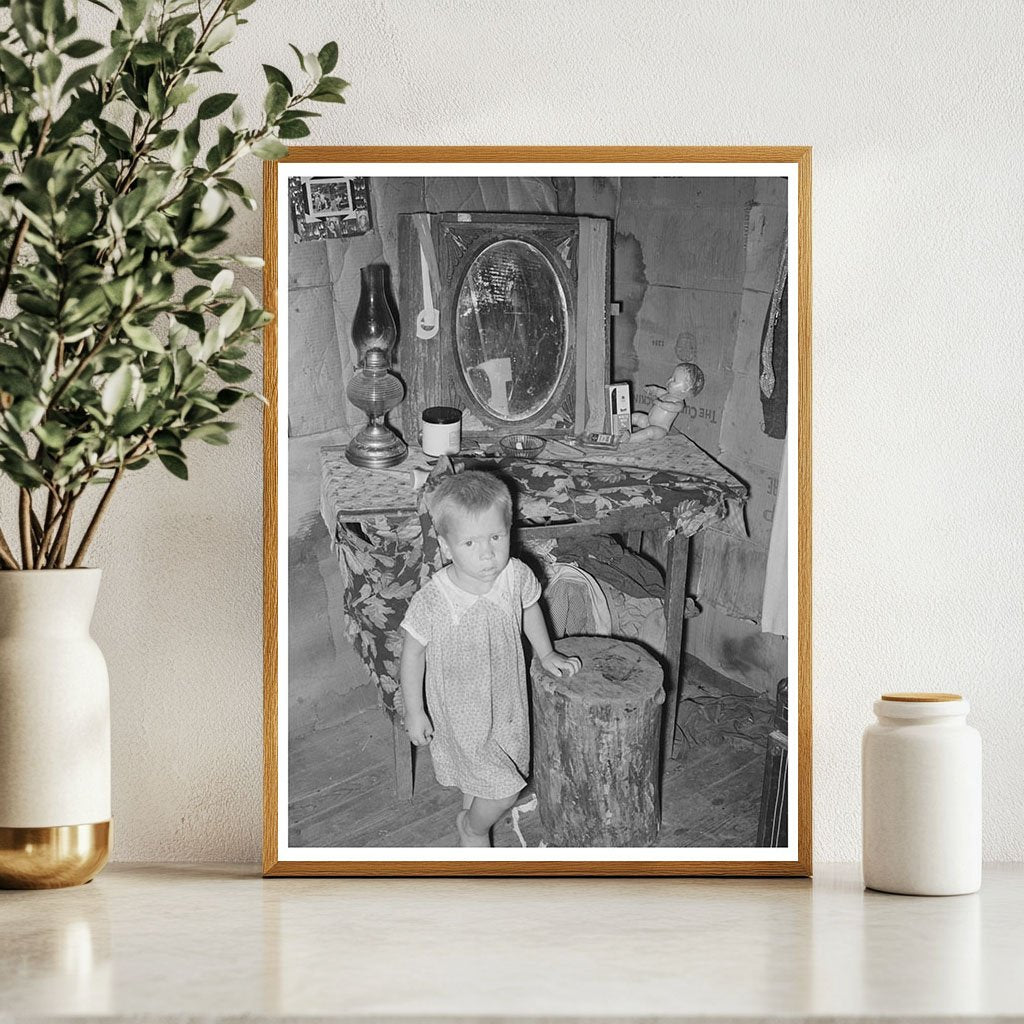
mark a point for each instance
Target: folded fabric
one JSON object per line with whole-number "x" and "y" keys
{"x": 610, "y": 562}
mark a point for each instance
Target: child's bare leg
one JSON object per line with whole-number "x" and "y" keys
{"x": 484, "y": 813}
{"x": 467, "y": 801}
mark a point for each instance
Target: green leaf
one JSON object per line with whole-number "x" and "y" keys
{"x": 164, "y": 376}
{"x": 221, "y": 35}
{"x": 232, "y": 319}
{"x": 53, "y": 14}
{"x": 293, "y": 130}
{"x": 133, "y": 13}
{"x": 21, "y": 471}
{"x": 278, "y": 77}
{"x": 149, "y": 53}
{"x": 214, "y": 105}
{"x": 326, "y": 96}
{"x": 163, "y": 139}
{"x": 115, "y": 133}
{"x": 276, "y": 100}
{"x": 116, "y": 390}
{"x": 144, "y": 338}
{"x": 26, "y": 21}
{"x": 181, "y": 94}
{"x": 193, "y": 379}
{"x": 156, "y": 101}
{"x": 222, "y": 281}
{"x": 83, "y": 48}
{"x": 269, "y": 149}
{"x": 16, "y": 70}
{"x": 109, "y": 65}
{"x": 12, "y": 356}
{"x": 195, "y": 296}
{"x": 232, "y": 373}
{"x": 53, "y": 435}
{"x": 26, "y": 414}
{"x": 49, "y": 68}
{"x": 78, "y": 78}
{"x": 128, "y": 421}
{"x": 334, "y": 84}
{"x": 175, "y": 465}
{"x": 211, "y": 433}
{"x": 310, "y": 65}
{"x": 328, "y": 57}
{"x": 227, "y": 397}
{"x": 184, "y": 44}
{"x": 129, "y": 207}
{"x": 38, "y": 305}
{"x": 65, "y": 29}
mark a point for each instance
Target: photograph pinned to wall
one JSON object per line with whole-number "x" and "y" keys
{"x": 329, "y": 207}
{"x": 617, "y": 680}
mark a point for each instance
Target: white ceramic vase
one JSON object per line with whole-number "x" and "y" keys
{"x": 54, "y": 731}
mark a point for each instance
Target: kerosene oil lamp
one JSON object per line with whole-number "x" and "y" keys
{"x": 373, "y": 388}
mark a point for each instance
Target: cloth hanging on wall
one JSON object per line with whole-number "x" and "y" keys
{"x": 775, "y": 606}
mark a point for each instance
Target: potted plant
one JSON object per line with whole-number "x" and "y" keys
{"x": 122, "y": 340}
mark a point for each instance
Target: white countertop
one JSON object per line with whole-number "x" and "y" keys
{"x": 179, "y": 941}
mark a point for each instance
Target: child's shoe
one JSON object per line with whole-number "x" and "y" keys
{"x": 468, "y": 838}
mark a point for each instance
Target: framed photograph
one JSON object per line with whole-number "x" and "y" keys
{"x": 537, "y": 512}
{"x": 328, "y": 197}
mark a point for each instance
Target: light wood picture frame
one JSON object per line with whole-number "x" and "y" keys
{"x": 702, "y": 244}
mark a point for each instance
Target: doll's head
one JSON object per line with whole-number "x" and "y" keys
{"x": 687, "y": 379}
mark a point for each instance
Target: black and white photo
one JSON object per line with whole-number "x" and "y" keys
{"x": 536, "y": 568}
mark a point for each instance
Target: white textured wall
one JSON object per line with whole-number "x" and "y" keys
{"x": 913, "y": 110}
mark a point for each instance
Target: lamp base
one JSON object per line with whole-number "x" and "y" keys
{"x": 376, "y": 447}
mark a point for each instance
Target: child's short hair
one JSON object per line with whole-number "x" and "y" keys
{"x": 470, "y": 492}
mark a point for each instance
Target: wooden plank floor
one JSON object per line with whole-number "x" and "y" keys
{"x": 341, "y": 781}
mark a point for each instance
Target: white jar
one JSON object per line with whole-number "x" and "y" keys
{"x": 921, "y": 789}
{"x": 441, "y": 431}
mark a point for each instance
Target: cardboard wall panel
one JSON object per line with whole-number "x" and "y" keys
{"x": 738, "y": 649}
{"x": 315, "y": 373}
{"x": 728, "y": 565}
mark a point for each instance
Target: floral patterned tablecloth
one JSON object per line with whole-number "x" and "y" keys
{"x": 387, "y": 548}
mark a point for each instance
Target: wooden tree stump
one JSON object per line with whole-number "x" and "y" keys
{"x": 596, "y": 740}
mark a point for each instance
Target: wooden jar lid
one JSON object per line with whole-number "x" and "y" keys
{"x": 921, "y": 698}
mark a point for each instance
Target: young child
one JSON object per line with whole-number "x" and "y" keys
{"x": 465, "y": 628}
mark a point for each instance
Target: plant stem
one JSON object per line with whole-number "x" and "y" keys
{"x": 19, "y": 234}
{"x": 84, "y": 359}
{"x": 12, "y": 255}
{"x": 37, "y": 528}
{"x": 25, "y": 522}
{"x": 6, "y": 555}
{"x": 60, "y": 544}
{"x": 96, "y": 517}
{"x": 52, "y": 521}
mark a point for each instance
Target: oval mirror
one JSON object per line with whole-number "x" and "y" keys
{"x": 511, "y": 330}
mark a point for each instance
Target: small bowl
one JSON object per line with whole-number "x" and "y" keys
{"x": 523, "y": 446}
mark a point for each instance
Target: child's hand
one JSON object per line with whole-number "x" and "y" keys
{"x": 559, "y": 665}
{"x": 418, "y": 726}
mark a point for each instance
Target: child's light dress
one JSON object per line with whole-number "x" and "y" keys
{"x": 476, "y": 680}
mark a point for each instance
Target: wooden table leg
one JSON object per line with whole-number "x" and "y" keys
{"x": 403, "y": 761}
{"x": 676, "y": 560}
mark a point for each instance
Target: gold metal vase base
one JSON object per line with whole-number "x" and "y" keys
{"x": 52, "y": 858}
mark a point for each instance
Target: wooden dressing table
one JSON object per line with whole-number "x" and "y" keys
{"x": 372, "y": 517}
